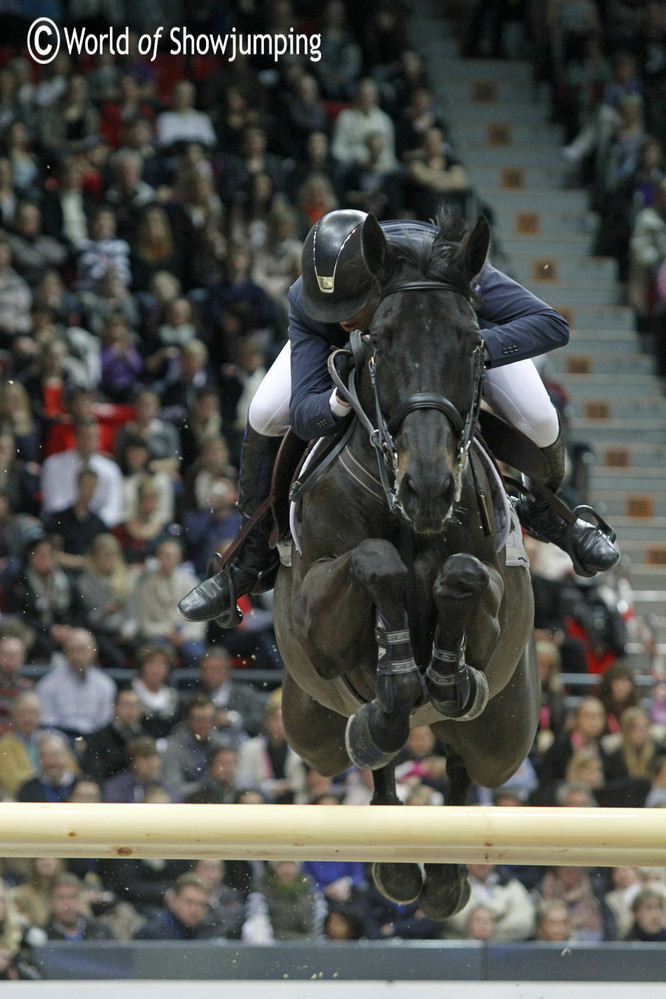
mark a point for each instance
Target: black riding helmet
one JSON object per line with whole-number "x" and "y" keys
{"x": 336, "y": 281}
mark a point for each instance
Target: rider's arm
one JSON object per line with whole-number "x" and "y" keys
{"x": 310, "y": 413}
{"x": 515, "y": 323}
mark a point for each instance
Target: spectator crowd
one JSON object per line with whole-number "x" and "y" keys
{"x": 605, "y": 63}
{"x": 152, "y": 213}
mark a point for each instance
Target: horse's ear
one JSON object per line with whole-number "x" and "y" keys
{"x": 380, "y": 257}
{"x": 477, "y": 246}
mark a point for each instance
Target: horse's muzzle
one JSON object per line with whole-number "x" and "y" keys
{"x": 427, "y": 498}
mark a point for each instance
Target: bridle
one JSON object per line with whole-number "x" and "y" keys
{"x": 381, "y": 435}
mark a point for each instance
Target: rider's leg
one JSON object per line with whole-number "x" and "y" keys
{"x": 517, "y": 394}
{"x": 252, "y": 570}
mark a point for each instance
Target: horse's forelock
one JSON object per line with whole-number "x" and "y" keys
{"x": 436, "y": 258}
{"x": 451, "y": 228}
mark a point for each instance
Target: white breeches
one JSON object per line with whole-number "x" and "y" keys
{"x": 269, "y": 409}
{"x": 515, "y": 392}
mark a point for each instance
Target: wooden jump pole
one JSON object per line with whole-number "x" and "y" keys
{"x": 606, "y": 837}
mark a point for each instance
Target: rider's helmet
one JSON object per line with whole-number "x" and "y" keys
{"x": 336, "y": 282}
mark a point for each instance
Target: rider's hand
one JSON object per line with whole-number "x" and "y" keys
{"x": 344, "y": 365}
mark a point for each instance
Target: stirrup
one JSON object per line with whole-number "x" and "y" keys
{"x": 589, "y": 516}
{"x": 233, "y": 616}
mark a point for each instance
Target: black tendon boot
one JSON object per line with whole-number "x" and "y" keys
{"x": 590, "y": 545}
{"x": 253, "y": 568}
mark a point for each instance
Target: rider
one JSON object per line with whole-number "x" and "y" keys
{"x": 336, "y": 295}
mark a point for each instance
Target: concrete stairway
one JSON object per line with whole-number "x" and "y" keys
{"x": 542, "y": 236}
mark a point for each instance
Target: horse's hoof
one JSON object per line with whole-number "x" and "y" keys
{"x": 479, "y": 697}
{"x": 401, "y": 883}
{"x": 440, "y": 902}
{"x": 440, "y": 691}
{"x": 361, "y": 743}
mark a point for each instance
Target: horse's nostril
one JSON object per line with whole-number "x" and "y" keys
{"x": 448, "y": 487}
{"x": 410, "y": 488}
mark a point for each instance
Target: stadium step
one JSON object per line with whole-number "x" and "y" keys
{"x": 648, "y": 601}
{"x": 638, "y": 480}
{"x": 600, "y": 409}
{"x": 619, "y": 431}
{"x": 503, "y": 136}
{"x": 574, "y": 362}
{"x": 543, "y": 271}
{"x": 599, "y": 317}
{"x": 519, "y": 154}
{"x": 643, "y": 529}
{"x": 577, "y": 243}
{"x": 498, "y": 88}
{"x": 534, "y": 199}
{"x": 501, "y": 114}
{"x": 569, "y": 295}
{"x": 514, "y": 177}
{"x": 633, "y": 502}
{"x": 633, "y": 458}
{"x": 620, "y": 341}
{"x": 643, "y": 552}
{"x": 528, "y": 220}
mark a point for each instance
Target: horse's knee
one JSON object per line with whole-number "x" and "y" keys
{"x": 377, "y": 566}
{"x": 462, "y": 576}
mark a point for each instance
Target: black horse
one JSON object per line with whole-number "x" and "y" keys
{"x": 400, "y": 608}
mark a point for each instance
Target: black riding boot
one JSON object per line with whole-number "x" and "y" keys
{"x": 590, "y": 545}
{"x": 254, "y": 566}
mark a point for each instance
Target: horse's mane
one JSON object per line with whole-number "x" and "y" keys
{"x": 434, "y": 258}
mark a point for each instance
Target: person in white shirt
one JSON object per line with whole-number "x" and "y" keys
{"x": 60, "y": 475}
{"x": 76, "y": 696}
{"x": 507, "y": 899}
{"x": 353, "y": 126}
{"x": 183, "y": 123}
{"x": 157, "y": 594}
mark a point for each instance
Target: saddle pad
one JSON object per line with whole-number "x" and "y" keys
{"x": 509, "y": 531}
{"x": 294, "y": 522}
{"x": 515, "y": 552}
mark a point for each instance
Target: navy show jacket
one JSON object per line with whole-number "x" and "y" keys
{"x": 516, "y": 325}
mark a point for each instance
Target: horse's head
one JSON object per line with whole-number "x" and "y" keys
{"x": 427, "y": 359}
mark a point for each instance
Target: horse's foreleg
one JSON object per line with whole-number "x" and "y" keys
{"x": 379, "y": 729}
{"x": 350, "y": 615}
{"x": 332, "y": 618}
{"x": 463, "y": 587}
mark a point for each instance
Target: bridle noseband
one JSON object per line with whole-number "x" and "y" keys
{"x": 381, "y": 435}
